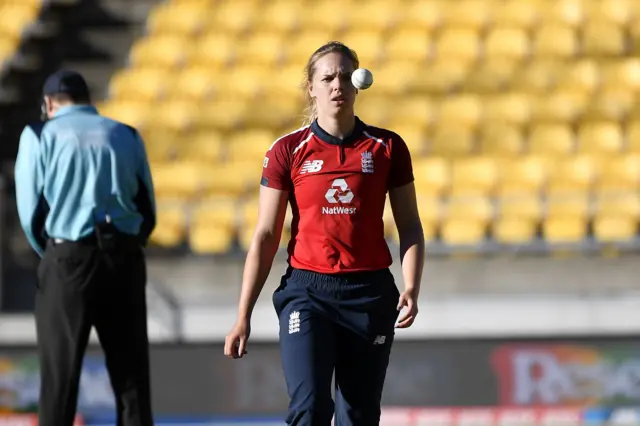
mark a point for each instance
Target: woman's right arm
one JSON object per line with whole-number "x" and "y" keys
{"x": 272, "y": 209}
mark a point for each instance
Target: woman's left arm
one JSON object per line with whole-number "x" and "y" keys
{"x": 412, "y": 248}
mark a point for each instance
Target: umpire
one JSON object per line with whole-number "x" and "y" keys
{"x": 86, "y": 204}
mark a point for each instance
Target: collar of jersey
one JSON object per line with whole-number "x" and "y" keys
{"x": 326, "y": 137}
{"x": 69, "y": 109}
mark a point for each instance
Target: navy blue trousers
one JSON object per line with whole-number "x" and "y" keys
{"x": 342, "y": 324}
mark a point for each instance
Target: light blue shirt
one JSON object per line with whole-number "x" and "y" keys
{"x": 80, "y": 168}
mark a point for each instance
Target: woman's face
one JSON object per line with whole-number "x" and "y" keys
{"x": 331, "y": 85}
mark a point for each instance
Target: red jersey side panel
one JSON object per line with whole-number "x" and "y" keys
{"x": 337, "y": 195}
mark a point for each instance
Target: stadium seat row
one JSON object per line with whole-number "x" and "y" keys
{"x": 193, "y": 16}
{"x": 435, "y": 177}
{"x": 214, "y": 227}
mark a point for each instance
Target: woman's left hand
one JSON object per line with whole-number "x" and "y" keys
{"x": 408, "y": 300}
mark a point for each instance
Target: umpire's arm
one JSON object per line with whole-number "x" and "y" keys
{"x": 145, "y": 198}
{"x": 29, "y": 181}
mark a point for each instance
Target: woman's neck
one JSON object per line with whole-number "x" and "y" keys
{"x": 338, "y": 127}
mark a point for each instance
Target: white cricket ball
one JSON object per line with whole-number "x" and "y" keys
{"x": 362, "y": 78}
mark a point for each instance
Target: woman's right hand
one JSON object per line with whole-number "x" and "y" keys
{"x": 235, "y": 344}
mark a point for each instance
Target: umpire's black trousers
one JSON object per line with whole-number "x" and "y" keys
{"x": 80, "y": 286}
{"x": 336, "y": 323}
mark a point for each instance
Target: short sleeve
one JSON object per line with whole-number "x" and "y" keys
{"x": 276, "y": 169}
{"x": 401, "y": 172}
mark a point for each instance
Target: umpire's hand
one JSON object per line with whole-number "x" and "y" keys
{"x": 235, "y": 344}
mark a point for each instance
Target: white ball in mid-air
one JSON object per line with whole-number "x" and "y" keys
{"x": 362, "y": 78}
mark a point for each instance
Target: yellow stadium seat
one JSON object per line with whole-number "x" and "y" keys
{"x": 444, "y": 74}
{"x": 274, "y": 112}
{"x": 566, "y": 12}
{"x": 412, "y": 44}
{"x": 600, "y": 38}
{"x": 430, "y": 210}
{"x": 522, "y": 206}
{"x": 175, "y": 115}
{"x": 143, "y": 84}
{"x": 517, "y": 14}
{"x": 609, "y": 229}
{"x": 461, "y": 110}
{"x": 289, "y": 83}
{"x": 231, "y": 179}
{"x": 504, "y": 140}
{"x": 373, "y": 109}
{"x": 551, "y": 139}
{"x": 205, "y": 146}
{"x": 513, "y": 230}
{"x": 177, "y": 18}
{"x": 279, "y": 16}
{"x": 195, "y": 84}
{"x": 537, "y": 77}
{"x": 600, "y": 137}
{"x": 206, "y": 238}
{"x": 525, "y": 176}
{"x": 322, "y": 15}
{"x": 452, "y": 141}
{"x": 16, "y": 18}
{"x": 413, "y": 135}
{"x": 461, "y": 44}
{"x": 299, "y": 49}
{"x": 179, "y": 179}
{"x": 134, "y": 113}
{"x": 555, "y": 41}
{"x": 382, "y": 14}
{"x": 622, "y": 73}
{"x": 466, "y": 221}
{"x": 621, "y": 204}
{"x": 511, "y": 107}
{"x": 244, "y": 82}
{"x": 262, "y": 49}
{"x": 564, "y": 229}
{"x": 367, "y": 42}
{"x": 507, "y": 43}
{"x": 432, "y": 176}
{"x": 473, "y": 176}
{"x": 387, "y": 81}
{"x": 171, "y": 227}
{"x": 161, "y": 146}
{"x": 474, "y": 14}
{"x": 611, "y": 104}
{"x": 574, "y": 205}
{"x": 223, "y": 114}
{"x": 616, "y": 12}
{"x": 235, "y": 16}
{"x": 491, "y": 76}
{"x": 412, "y": 109}
{"x": 575, "y": 173}
{"x": 423, "y": 14}
{"x": 249, "y": 145}
{"x": 215, "y": 50}
{"x": 619, "y": 174}
{"x": 582, "y": 75}
{"x": 559, "y": 106}
{"x": 162, "y": 50}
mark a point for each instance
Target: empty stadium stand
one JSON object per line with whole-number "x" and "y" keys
{"x": 521, "y": 115}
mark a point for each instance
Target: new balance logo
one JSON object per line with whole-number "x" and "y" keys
{"x": 379, "y": 340}
{"x": 294, "y": 322}
{"x": 367, "y": 162}
{"x": 311, "y": 166}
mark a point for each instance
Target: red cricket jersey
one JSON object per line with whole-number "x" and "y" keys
{"x": 337, "y": 190}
